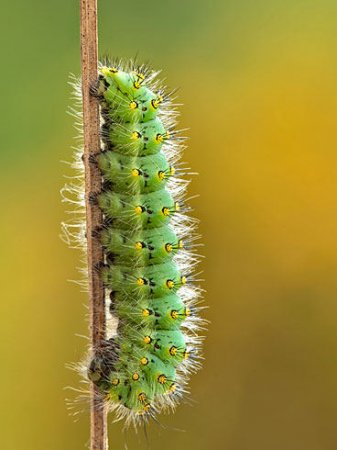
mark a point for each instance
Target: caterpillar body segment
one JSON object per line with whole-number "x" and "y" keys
{"x": 152, "y": 281}
{"x": 148, "y": 270}
{"x": 138, "y": 211}
{"x": 141, "y": 247}
{"x": 163, "y": 313}
{"x": 138, "y": 139}
{"x": 137, "y": 174}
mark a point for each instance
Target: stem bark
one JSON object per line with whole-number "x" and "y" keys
{"x": 94, "y": 218}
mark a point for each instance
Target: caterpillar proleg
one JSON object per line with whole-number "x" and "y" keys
{"x": 148, "y": 242}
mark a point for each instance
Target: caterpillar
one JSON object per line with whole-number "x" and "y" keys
{"x": 149, "y": 244}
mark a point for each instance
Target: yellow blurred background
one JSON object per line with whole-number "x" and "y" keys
{"x": 258, "y": 84}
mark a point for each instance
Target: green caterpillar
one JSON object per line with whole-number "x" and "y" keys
{"x": 148, "y": 246}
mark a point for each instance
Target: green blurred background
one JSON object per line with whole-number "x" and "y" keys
{"x": 258, "y": 84}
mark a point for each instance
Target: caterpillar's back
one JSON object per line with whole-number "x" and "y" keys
{"x": 148, "y": 245}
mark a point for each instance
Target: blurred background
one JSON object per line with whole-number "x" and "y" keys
{"x": 258, "y": 84}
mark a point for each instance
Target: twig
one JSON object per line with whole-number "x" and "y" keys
{"x": 98, "y": 433}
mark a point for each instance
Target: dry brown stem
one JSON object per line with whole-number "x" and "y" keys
{"x": 93, "y": 181}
